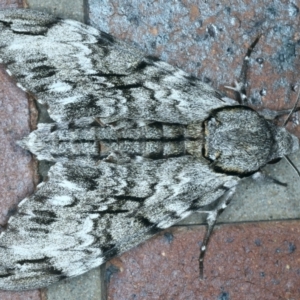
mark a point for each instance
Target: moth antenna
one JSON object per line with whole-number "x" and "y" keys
{"x": 293, "y": 109}
{"x": 245, "y": 66}
{"x": 292, "y": 164}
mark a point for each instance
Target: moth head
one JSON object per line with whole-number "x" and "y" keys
{"x": 238, "y": 140}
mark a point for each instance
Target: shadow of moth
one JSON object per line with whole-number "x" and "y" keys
{"x": 136, "y": 145}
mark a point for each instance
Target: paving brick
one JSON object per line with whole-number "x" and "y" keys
{"x": 244, "y": 261}
{"x": 209, "y": 39}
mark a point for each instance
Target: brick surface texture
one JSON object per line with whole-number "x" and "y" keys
{"x": 245, "y": 261}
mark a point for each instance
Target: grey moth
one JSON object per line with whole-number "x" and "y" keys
{"x": 136, "y": 146}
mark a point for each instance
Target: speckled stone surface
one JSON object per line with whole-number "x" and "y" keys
{"x": 244, "y": 261}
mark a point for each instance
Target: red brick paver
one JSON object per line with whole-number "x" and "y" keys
{"x": 243, "y": 261}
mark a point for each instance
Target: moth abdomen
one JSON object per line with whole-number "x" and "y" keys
{"x": 156, "y": 141}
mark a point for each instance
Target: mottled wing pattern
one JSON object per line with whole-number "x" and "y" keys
{"x": 81, "y": 217}
{"x": 79, "y": 72}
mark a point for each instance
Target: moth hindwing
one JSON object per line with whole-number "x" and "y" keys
{"x": 136, "y": 145}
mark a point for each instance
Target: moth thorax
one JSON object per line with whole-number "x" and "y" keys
{"x": 239, "y": 140}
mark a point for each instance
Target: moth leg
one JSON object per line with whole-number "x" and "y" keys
{"x": 229, "y": 101}
{"x": 212, "y": 217}
{"x": 260, "y": 176}
{"x": 268, "y": 114}
{"x": 272, "y": 115}
{"x": 239, "y": 88}
{"x": 240, "y": 85}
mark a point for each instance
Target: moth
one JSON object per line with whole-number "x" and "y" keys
{"x": 136, "y": 146}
